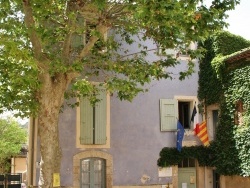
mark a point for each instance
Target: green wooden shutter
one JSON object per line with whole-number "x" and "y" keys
{"x": 86, "y": 120}
{"x": 77, "y": 40}
{"x": 169, "y": 114}
{"x": 101, "y": 118}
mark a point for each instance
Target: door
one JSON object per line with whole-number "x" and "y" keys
{"x": 93, "y": 173}
{"x": 216, "y": 180}
{"x": 186, "y": 178}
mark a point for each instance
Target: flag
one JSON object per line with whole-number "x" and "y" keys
{"x": 201, "y": 132}
{"x": 196, "y": 129}
{"x": 193, "y": 113}
{"x": 180, "y": 135}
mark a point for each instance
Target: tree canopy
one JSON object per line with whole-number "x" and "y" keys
{"x": 12, "y": 138}
{"x": 63, "y": 37}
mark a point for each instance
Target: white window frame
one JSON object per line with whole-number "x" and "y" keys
{"x": 210, "y": 127}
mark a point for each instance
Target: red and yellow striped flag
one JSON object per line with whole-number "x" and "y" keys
{"x": 201, "y": 132}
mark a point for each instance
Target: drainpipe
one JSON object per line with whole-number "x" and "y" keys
{"x": 205, "y": 182}
{"x": 13, "y": 165}
{"x": 32, "y": 152}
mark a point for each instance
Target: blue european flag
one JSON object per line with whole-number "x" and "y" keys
{"x": 180, "y": 135}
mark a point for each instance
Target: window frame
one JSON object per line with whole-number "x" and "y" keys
{"x": 210, "y": 125}
{"x": 192, "y": 100}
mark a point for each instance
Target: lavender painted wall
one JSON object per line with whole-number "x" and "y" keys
{"x": 136, "y": 136}
{"x": 136, "y": 139}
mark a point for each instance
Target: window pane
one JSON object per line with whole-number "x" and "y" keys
{"x": 97, "y": 177}
{"x": 185, "y": 162}
{"x": 191, "y": 162}
{"x": 85, "y": 178}
{"x": 85, "y": 165}
{"x": 180, "y": 164}
{"x": 97, "y": 165}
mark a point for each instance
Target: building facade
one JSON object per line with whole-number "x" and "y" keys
{"x": 117, "y": 143}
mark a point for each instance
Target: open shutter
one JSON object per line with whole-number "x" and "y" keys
{"x": 169, "y": 114}
{"x": 86, "y": 128}
{"x": 101, "y": 118}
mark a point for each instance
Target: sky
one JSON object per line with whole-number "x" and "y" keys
{"x": 239, "y": 20}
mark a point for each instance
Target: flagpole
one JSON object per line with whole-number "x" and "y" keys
{"x": 205, "y": 110}
{"x": 197, "y": 116}
{"x": 205, "y": 118}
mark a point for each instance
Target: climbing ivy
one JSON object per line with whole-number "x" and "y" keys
{"x": 208, "y": 76}
{"x": 218, "y": 47}
{"x": 225, "y": 84}
{"x": 170, "y": 156}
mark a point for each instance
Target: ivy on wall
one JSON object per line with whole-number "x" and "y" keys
{"x": 218, "y": 47}
{"x": 236, "y": 154}
{"x": 225, "y": 84}
{"x": 170, "y": 156}
{"x": 231, "y": 83}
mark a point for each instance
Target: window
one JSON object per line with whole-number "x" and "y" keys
{"x": 180, "y": 52}
{"x": 93, "y": 173}
{"x": 79, "y": 40}
{"x": 93, "y": 120}
{"x": 186, "y": 163}
{"x": 83, "y": 164}
{"x": 172, "y": 110}
{"x": 212, "y": 120}
{"x": 238, "y": 119}
{"x": 184, "y": 114}
{"x": 93, "y": 129}
{"x": 215, "y": 121}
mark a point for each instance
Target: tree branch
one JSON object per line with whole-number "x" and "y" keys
{"x": 30, "y": 23}
{"x": 66, "y": 47}
{"x": 101, "y": 29}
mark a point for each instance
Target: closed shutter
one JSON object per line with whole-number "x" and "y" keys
{"x": 86, "y": 118}
{"x": 93, "y": 120}
{"x": 169, "y": 114}
{"x": 101, "y": 118}
{"x": 77, "y": 40}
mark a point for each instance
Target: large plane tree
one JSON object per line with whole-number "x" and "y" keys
{"x": 51, "y": 50}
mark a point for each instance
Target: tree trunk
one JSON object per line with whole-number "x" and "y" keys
{"x": 51, "y": 97}
{"x": 49, "y": 146}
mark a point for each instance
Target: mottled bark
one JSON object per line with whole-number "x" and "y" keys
{"x": 51, "y": 97}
